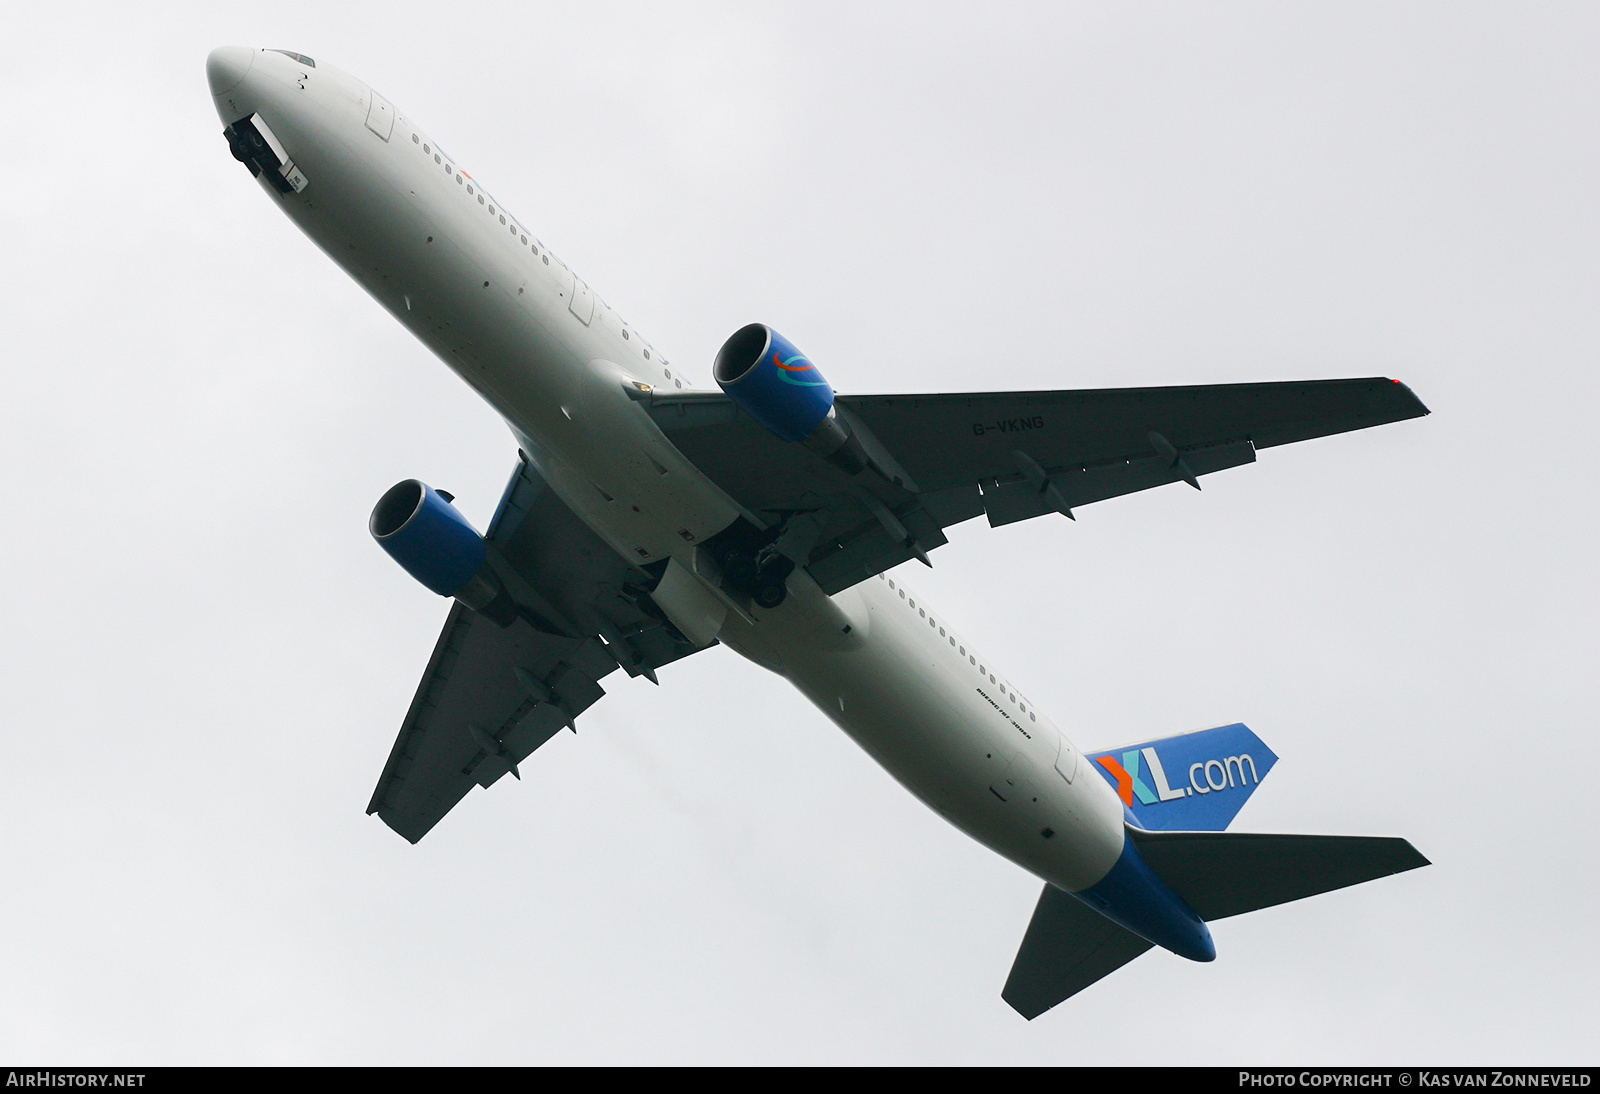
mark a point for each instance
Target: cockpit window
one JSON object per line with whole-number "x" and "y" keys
{"x": 301, "y": 57}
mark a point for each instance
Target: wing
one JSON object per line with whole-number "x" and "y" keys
{"x": 492, "y": 694}
{"x": 1008, "y": 455}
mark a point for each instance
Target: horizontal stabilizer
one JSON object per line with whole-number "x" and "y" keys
{"x": 1220, "y": 874}
{"x": 1068, "y": 947}
{"x": 1194, "y": 782}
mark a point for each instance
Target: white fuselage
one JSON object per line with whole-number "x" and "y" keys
{"x": 511, "y": 319}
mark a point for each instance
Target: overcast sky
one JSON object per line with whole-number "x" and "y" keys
{"x": 206, "y": 659}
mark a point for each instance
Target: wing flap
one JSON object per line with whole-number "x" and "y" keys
{"x": 471, "y": 683}
{"x": 587, "y": 586}
{"x": 491, "y": 695}
{"x": 1019, "y": 499}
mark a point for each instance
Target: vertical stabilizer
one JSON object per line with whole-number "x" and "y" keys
{"x": 1194, "y": 782}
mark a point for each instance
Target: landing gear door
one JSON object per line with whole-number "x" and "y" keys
{"x": 253, "y": 144}
{"x": 1067, "y": 758}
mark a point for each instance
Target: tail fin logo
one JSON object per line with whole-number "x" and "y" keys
{"x": 1216, "y": 769}
{"x": 1130, "y": 785}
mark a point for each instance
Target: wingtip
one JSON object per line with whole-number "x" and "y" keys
{"x": 1422, "y": 410}
{"x": 1418, "y": 859}
{"x": 1030, "y": 1012}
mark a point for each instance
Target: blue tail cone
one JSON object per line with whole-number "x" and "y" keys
{"x": 1131, "y": 894}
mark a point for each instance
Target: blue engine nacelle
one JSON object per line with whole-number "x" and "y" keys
{"x": 433, "y": 542}
{"x": 774, "y": 383}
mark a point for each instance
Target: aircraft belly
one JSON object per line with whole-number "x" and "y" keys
{"x": 910, "y": 705}
{"x": 638, "y": 534}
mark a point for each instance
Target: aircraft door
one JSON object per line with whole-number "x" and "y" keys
{"x": 580, "y": 301}
{"x": 1066, "y": 758}
{"x": 380, "y": 117}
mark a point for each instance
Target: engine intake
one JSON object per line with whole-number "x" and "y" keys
{"x": 430, "y": 539}
{"x": 773, "y": 382}
{"x": 777, "y": 385}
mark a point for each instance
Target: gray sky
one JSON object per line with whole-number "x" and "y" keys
{"x": 206, "y": 659}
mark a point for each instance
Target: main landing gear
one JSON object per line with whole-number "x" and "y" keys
{"x": 749, "y": 563}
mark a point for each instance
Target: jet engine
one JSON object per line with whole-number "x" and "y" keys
{"x": 773, "y": 382}
{"x": 777, "y": 385}
{"x": 422, "y": 531}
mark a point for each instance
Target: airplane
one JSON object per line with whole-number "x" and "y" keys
{"x": 647, "y": 519}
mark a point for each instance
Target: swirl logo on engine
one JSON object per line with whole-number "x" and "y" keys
{"x": 786, "y": 369}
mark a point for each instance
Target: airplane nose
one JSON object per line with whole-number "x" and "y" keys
{"x": 226, "y": 66}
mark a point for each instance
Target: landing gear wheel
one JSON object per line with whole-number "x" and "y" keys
{"x": 769, "y": 594}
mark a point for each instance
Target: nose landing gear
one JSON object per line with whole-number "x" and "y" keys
{"x": 254, "y": 145}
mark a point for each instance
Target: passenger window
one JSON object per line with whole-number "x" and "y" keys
{"x": 503, "y": 220}
{"x": 469, "y": 188}
{"x": 669, "y": 373}
{"x": 678, "y": 383}
{"x": 547, "y": 260}
{"x": 624, "y": 336}
{"x": 647, "y": 355}
{"x": 491, "y": 209}
{"x": 425, "y": 148}
{"x": 524, "y": 241}
{"x": 480, "y": 197}
{"x": 415, "y": 139}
